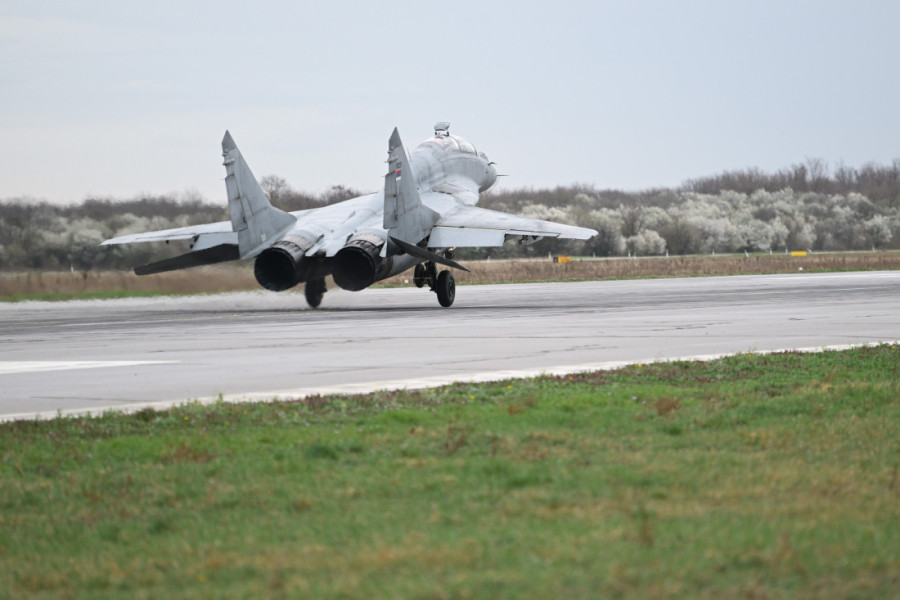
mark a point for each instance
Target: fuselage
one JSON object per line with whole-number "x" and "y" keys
{"x": 423, "y": 213}
{"x": 449, "y": 159}
{"x": 448, "y": 171}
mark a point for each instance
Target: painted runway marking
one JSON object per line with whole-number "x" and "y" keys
{"x": 38, "y": 366}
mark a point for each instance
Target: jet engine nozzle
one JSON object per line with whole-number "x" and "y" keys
{"x": 283, "y": 265}
{"x": 359, "y": 264}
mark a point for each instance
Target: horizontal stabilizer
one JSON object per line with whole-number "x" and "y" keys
{"x": 210, "y": 256}
{"x": 426, "y": 255}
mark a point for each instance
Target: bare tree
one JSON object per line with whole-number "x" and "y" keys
{"x": 275, "y": 187}
{"x": 817, "y": 170}
{"x": 845, "y": 177}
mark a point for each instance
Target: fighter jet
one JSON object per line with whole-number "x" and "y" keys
{"x": 426, "y": 210}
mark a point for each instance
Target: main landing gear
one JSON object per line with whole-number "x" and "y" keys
{"x": 315, "y": 289}
{"x": 443, "y": 283}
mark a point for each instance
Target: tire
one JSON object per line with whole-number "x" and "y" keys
{"x": 315, "y": 289}
{"x": 420, "y": 276}
{"x": 446, "y": 288}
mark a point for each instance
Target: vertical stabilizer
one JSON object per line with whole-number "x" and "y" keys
{"x": 405, "y": 217}
{"x": 257, "y": 223}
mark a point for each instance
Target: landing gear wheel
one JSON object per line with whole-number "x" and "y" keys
{"x": 431, "y": 274}
{"x": 315, "y": 289}
{"x": 420, "y": 277}
{"x": 446, "y": 288}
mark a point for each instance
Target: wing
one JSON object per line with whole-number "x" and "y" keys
{"x": 255, "y": 224}
{"x": 470, "y": 226}
{"x": 180, "y": 233}
{"x": 212, "y": 243}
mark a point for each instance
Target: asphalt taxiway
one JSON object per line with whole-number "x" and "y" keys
{"x": 96, "y": 355}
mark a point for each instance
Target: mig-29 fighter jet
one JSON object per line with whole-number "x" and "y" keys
{"x": 426, "y": 210}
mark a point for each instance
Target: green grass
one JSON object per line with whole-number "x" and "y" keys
{"x": 756, "y": 476}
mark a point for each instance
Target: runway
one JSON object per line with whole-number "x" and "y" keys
{"x": 95, "y": 355}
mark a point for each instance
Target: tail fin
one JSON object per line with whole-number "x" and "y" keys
{"x": 405, "y": 217}
{"x": 257, "y": 223}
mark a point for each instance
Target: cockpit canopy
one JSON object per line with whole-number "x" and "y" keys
{"x": 451, "y": 143}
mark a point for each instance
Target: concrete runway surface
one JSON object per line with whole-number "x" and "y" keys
{"x": 94, "y": 355}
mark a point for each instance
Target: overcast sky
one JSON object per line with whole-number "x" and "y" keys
{"x": 115, "y": 99}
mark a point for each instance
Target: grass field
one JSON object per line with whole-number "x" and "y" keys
{"x": 224, "y": 278}
{"x": 755, "y": 476}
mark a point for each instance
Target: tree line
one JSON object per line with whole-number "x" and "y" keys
{"x": 805, "y": 207}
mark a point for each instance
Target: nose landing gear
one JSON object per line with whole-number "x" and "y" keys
{"x": 420, "y": 275}
{"x": 315, "y": 289}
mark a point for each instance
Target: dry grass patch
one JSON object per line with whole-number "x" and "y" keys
{"x": 62, "y": 284}
{"x": 236, "y": 277}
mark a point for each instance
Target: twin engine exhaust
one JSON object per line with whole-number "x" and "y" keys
{"x": 355, "y": 267}
{"x": 283, "y": 265}
{"x": 359, "y": 264}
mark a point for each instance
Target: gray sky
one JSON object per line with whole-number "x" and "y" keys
{"x": 120, "y": 98}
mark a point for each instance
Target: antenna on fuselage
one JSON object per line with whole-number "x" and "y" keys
{"x": 441, "y": 129}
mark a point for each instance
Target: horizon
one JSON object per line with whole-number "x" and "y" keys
{"x": 189, "y": 195}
